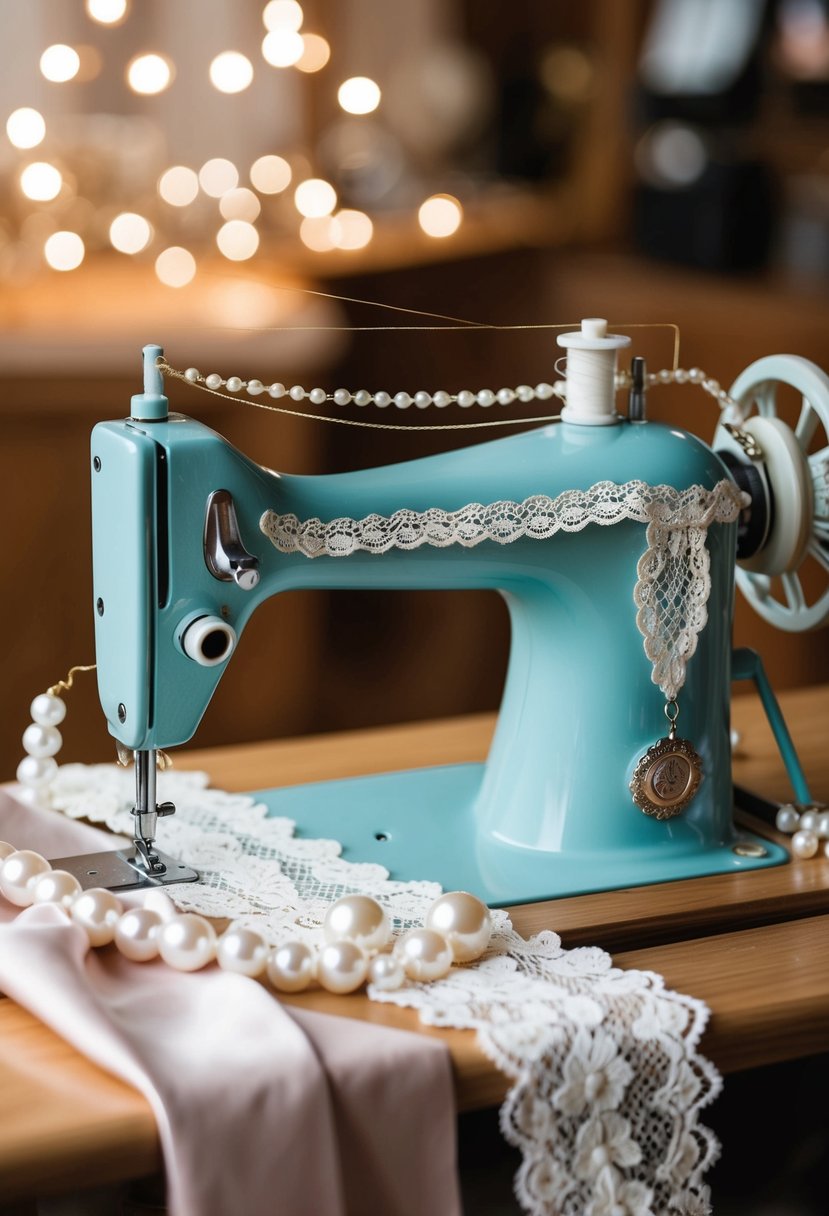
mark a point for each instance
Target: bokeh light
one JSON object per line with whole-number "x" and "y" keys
{"x": 359, "y": 95}
{"x": 317, "y": 233}
{"x": 107, "y": 12}
{"x": 440, "y": 215}
{"x": 315, "y": 197}
{"x": 270, "y": 174}
{"x": 41, "y": 181}
{"x": 352, "y": 229}
{"x": 237, "y": 240}
{"x": 59, "y": 63}
{"x": 231, "y": 72}
{"x": 130, "y": 233}
{"x": 175, "y": 267}
{"x": 149, "y": 74}
{"x": 25, "y": 127}
{"x": 240, "y": 204}
{"x": 282, "y": 15}
{"x": 217, "y": 176}
{"x": 64, "y": 250}
{"x": 282, "y": 48}
{"x": 315, "y": 53}
{"x": 178, "y": 186}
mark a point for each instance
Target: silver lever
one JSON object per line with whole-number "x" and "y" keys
{"x": 226, "y": 557}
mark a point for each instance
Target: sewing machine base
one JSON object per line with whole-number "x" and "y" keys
{"x": 118, "y": 870}
{"x": 419, "y": 825}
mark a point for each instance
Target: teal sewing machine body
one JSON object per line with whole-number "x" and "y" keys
{"x": 550, "y": 813}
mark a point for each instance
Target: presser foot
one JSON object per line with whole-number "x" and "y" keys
{"x": 125, "y": 869}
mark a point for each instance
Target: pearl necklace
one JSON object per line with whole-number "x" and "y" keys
{"x": 356, "y": 929}
{"x": 807, "y": 825}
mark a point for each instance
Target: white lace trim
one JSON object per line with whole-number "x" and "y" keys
{"x": 607, "y": 1080}
{"x": 673, "y": 574}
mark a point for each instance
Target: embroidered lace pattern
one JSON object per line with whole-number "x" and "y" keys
{"x": 673, "y": 581}
{"x": 607, "y": 1082}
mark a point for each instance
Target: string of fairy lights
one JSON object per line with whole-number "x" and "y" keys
{"x": 239, "y": 195}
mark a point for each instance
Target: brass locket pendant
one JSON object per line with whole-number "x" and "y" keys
{"x": 668, "y": 775}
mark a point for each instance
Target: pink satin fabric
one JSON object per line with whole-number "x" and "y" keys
{"x": 261, "y": 1109}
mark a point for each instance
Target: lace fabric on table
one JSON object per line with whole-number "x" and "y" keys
{"x": 673, "y": 580}
{"x": 607, "y": 1080}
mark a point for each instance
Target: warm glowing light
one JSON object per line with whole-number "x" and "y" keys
{"x": 231, "y": 72}
{"x": 237, "y": 240}
{"x": 175, "y": 267}
{"x": 240, "y": 204}
{"x": 107, "y": 12}
{"x": 217, "y": 176}
{"x": 359, "y": 95}
{"x": 318, "y": 233}
{"x": 25, "y": 127}
{"x": 64, "y": 250}
{"x": 130, "y": 233}
{"x": 270, "y": 174}
{"x": 352, "y": 229}
{"x": 282, "y": 48}
{"x": 440, "y": 215}
{"x": 315, "y": 54}
{"x": 178, "y": 186}
{"x": 41, "y": 181}
{"x": 282, "y": 15}
{"x": 315, "y": 198}
{"x": 59, "y": 63}
{"x": 149, "y": 74}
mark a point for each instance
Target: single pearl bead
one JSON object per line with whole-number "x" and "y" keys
{"x": 823, "y": 825}
{"x": 544, "y": 391}
{"x": 192, "y": 374}
{"x": 382, "y": 399}
{"x": 187, "y": 942}
{"x": 242, "y": 950}
{"x": 342, "y": 396}
{"x": 665, "y": 375}
{"x": 681, "y": 375}
{"x": 214, "y": 380}
{"x": 36, "y": 770}
{"x": 42, "y": 740}
{"x": 48, "y": 710}
{"x": 276, "y": 389}
{"x": 787, "y": 819}
{"x": 234, "y": 383}
{"x": 808, "y": 820}
{"x": 525, "y": 393}
{"x": 255, "y": 387}
{"x": 6, "y": 850}
{"x": 465, "y": 922}
{"x": 359, "y": 919}
{"x": 317, "y": 396}
{"x": 466, "y": 398}
{"x": 441, "y": 398}
{"x": 136, "y": 934}
{"x": 362, "y": 397}
{"x": 291, "y": 967}
{"x": 804, "y": 844}
{"x": 97, "y": 912}
{"x": 506, "y": 396}
{"x": 422, "y": 399}
{"x": 56, "y": 887}
{"x": 385, "y": 972}
{"x": 402, "y": 400}
{"x": 425, "y": 954}
{"x": 342, "y": 967}
{"x": 159, "y": 901}
{"x": 18, "y": 874}
{"x": 725, "y": 397}
{"x": 296, "y": 392}
{"x": 485, "y": 397}
{"x": 736, "y": 739}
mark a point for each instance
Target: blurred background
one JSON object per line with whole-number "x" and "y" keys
{"x": 207, "y": 174}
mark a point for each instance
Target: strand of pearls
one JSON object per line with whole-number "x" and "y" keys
{"x": 358, "y": 942}
{"x": 41, "y": 742}
{"x": 808, "y": 826}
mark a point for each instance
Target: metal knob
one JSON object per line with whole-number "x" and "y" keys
{"x": 226, "y": 557}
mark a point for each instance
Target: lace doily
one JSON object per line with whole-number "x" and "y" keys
{"x": 673, "y": 581}
{"x": 607, "y": 1081}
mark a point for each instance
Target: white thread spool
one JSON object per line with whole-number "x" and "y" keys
{"x": 591, "y": 371}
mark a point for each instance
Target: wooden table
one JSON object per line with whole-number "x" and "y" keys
{"x": 754, "y": 946}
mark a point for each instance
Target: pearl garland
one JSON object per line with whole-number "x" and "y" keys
{"x": 808, "y": 826}
{"x": 356, "y": 929}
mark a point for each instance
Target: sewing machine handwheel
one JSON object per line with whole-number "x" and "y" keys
{"x": 794, "y": 471}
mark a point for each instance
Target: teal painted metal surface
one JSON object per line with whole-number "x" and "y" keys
{"x": 579, "y": 707}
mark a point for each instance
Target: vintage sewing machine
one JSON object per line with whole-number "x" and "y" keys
{"x": 190, "y": 537}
